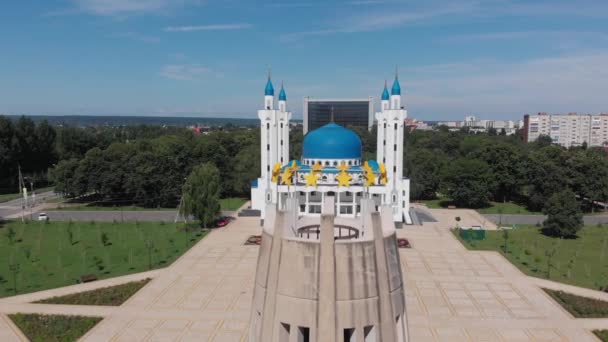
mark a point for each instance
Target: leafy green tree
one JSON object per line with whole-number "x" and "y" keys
{"x": 201, "y": 194}
{"x": 423, "y": 167}
{"x": 63, "y": 176}
{"x": 246, "y": 169}
{"x": 506, "y": 167}
{"x": 544, "y": 174}
{"x": 467, "y": 182}
{"x": 587, "y": 170}
{"x": 564, "y": 216}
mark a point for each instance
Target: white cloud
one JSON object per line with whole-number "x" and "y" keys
{"x": 218, "y": 27}
{"x": 400, "y": 14}
{"x": 125, "y": 7}
{"x": 187, "y": 72}
{"x": 573, "y": 83}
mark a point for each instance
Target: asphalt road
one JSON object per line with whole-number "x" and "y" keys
{"x": 510, "y": 219}
{"x": 116, "y": 215}
{"x": 13, "y": 208}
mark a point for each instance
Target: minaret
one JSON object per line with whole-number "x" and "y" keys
{"x": 282, "y": 99}
{"x": 385, "y": 104}
{"x": 274, "y": 146}
{"x": 391, "y": 121}
{"x": 269, "y": 94}
{"x": 396, "y": 93}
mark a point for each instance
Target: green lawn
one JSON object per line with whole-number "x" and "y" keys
{"x": 494, "y": 208}
{"x": 506, "y": 208}
{"x": 232, "y": 203}
{"x": 582, "y": 261}
{"x": 580, "y": 307}
{"x": 602, "y": 335}
{"x": 48, "y": 258}
{"x": 10, "y": 197}
{"x": 51, "y": 328}
{"x": 110, "y": 296}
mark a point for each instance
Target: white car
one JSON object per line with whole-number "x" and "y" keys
{"x": 43, "y": 217}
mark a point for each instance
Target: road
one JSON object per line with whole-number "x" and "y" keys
{"x": 509, "y": 219}
{"x": 117, "y": 215}
{"x": 12, "y": 209}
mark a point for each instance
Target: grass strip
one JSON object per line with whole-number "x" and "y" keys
{"x": 53, "y": 328}
{"x": 110, "y": 296}
{"x": 580, "y": 307}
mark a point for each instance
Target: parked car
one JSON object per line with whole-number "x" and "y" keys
{"x": 43, "y": 217}
{"x": 221, "y": 222}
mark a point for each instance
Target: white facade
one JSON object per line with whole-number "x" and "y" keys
{"x": 389, "y": 151}
{"x": 482, "y": 126}
{"x": 275, "y": 150}
{"x": 274, "y": 144}
{"x": 568, "y": 129}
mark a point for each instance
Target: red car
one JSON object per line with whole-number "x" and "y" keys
{"x": 222, "y": 221}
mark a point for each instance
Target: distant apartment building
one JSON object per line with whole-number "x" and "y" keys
{"x": 476, "y": 125}
{"x": 568, "y": 130}
{"x": 345, "y": 112}
{"x": 413, "y": 124}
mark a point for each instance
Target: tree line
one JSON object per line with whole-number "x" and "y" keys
{"x": 148, "y": 165}
{"x": 473, "y": 170}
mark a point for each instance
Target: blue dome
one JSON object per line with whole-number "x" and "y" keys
{"x": 385, "y": 95}
{"x": 282, "y": 95}
{"x": 396, "y": 90}
{"x": 332, "y": 141}
{"x": 269, "y": 91}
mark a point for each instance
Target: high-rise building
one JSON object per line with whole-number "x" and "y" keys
{"x": 345, "y": 112}
{"x": 568, "y": 129}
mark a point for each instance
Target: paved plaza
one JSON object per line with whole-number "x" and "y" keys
{"x": 452, "y": 294}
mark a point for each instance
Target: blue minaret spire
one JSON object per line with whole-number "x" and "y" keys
{"x": 396, "y": 89}
{"x": 385, "y": 94}
{"x": 269, "y": 91}
{"x": 282, "y": 95}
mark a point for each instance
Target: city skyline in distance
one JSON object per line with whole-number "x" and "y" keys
{"x": 182, "y": 58}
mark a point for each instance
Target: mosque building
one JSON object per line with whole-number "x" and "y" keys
{"x": 332, "y": 163}
{"x": 328, "y": 267}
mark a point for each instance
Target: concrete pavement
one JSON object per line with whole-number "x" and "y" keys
{"x": 452, "y": 294}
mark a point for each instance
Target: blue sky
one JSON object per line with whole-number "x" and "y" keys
{"x": 493, "y": 59}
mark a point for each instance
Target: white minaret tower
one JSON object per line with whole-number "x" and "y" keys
{"x": 391, "y": 123}
{"x": 274, "y": 139}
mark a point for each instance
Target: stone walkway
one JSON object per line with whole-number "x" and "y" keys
{"x": 452, "y": 294}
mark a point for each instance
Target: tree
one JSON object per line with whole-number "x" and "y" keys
{"x": 201, "y": 194}
{"x": 423, "y": 167}
{"x": 587, "y": 170}
{"x": 246, "y": 169}
{"x": 505, "y": 164}
{"x": 467, "y": 182}
{"x": 564, "y": 216}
